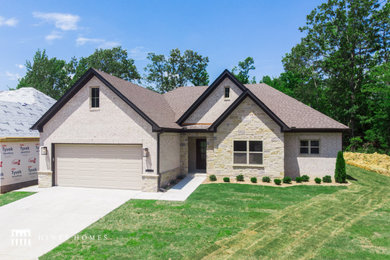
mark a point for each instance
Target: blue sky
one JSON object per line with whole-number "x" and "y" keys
{"x": 225, "y": 31}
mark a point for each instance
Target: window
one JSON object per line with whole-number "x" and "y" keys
{"x": 309, "y": 147}
{"x": 227, "y": 93}
{"x": 94, "y": 97}
{"x": 248, "y": 152}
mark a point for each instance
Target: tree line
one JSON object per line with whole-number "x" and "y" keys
{"x": 340, "y": 67}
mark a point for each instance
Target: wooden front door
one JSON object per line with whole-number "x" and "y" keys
{"x": 201, "y": 147}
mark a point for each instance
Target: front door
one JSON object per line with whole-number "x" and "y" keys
{"x": 201, "y": 146}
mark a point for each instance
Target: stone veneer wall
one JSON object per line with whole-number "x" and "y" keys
{"x": 168, "y": 176}
{"x": 184, "y": 149}
{"x": 248, "y": 122}
{"x": 45, "y": 179}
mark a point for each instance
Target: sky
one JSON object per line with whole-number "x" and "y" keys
{"x": 225, "y": 31}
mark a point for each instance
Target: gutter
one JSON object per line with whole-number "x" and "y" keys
{"x": 158, "y": 162}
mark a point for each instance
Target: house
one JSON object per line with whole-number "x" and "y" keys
{"x": 19, "y": 110}
{"x": 110, "y": 133}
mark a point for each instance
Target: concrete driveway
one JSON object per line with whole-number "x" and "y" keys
{"x": 34, "y": 225}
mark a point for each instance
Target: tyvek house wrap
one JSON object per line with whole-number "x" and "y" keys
{"x": 19, "y": 110}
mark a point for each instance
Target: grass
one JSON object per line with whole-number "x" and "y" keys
{"x": 13, "y": 196}
{"x": 245, "y": 221}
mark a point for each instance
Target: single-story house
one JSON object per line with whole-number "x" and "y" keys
{"x": 109, "y": 133}
{"x": 19, "y": 110}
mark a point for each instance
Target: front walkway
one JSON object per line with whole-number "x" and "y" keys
{"x": 34, "y": 225}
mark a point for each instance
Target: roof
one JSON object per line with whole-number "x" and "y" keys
{"x": 20, "y": 109}
{"x": 168, "y": 111}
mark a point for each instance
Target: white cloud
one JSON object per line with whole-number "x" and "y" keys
{"x": 138, "y": 53}
{"x": 8, "y": 22}
{"x": 20, "y": 66}
{"x": 80, "y": 41}
{"x": 12, "y": 76}
{"x": 54, "y": 35}
{"x": 65, "y": 22}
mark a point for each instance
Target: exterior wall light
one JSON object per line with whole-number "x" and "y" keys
{"x": 43, "y": 150}
{"x": 146, "y": 152}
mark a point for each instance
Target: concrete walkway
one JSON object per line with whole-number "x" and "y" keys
{"x": 34, "y": 225}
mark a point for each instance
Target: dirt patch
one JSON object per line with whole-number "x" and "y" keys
{"x": 283, "y": 185}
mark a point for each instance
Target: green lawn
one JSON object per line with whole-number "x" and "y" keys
{"x": 13, "y": 196}
{"x": 244, "y": 221}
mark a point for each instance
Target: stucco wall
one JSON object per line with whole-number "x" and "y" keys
{"x": 248, "y": 122}
{"x": 18, "y": 162}
{"x": 169, "y": 151}
{"x": 215, "y": 104}
{"x": 317, "y": 165}
{"x": 113, "y": 123}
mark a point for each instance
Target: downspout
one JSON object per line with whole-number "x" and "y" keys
{"x": 158, "y": 161}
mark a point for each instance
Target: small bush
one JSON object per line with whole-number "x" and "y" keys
{"x": 254, "y": 180}
{"x": 298, "y": 179}
{"x": 327, "y": 179}
{"x": 180, "y": 177}
{"x": 226, "y": 179}
{"x": 317, "y": 180}
{"x": 340, "y": 174}
{"x": 240, "y": 177}
{"x": 287, "y": 180}
{"x": 277, "y": 181}
{"x": 305, "y": 178}
{"x": 266, "y": 179}
{"x": 213, "y": 177}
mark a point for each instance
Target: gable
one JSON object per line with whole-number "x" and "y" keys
{"x": 113, "y": 120}
{"x": 215, "y": 104}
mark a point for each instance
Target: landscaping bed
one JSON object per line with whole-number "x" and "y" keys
{"x": 272, "y": 184}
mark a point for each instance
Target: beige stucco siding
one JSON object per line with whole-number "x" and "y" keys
{"x": 321, "y": 164}
{"x": 215, "y": 104}
{"x": 169, "y": 151}
{"x": 248, "y": 122}
{"x": 113, "y": 123}
{"x": 169, "y": 157}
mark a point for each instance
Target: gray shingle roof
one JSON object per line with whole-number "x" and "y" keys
{"x": 20, "y": 109}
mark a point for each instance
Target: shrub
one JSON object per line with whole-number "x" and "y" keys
{"x": 277, "y": 181}
{"x": 305, "y": 178}
{"x": 317, "y": 180}
{"x": 180, "y": 177}
{"x": 226, "y": 179}
{"x": 213, "y": 177}
{"x": 240, "y": 177}
{"x": 287, "y": 180}
{"x": 339, "y": 173}
{"x": 266, "y": 179}
{"x": 298, "y": 179}
{"x": 254, "y": 180}
{"x": 327, "y": 179}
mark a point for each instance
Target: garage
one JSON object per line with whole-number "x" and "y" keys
{"x": 99, "y": 166}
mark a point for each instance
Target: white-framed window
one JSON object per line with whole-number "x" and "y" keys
{"x": 227, "y": 92}
{"x": 95, "y": 101}
{"x": 247, "y": 152}
{"x": 309, "y": 147}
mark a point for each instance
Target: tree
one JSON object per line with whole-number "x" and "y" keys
{"x": 345, "y": 41}
{"x": 165, "y": 74}
{"x": 114, "y": 61}
{"x": 340, "y": 174}
{"x": 50, "y": 76}
{"x": 242, "y": 71}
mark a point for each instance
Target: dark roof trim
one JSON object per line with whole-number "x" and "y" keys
{"x": 238, "y": 101}
{"x": 75, "y": 88}
{"x": 208, "y": 91}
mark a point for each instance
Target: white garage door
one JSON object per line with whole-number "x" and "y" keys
{"x": 99, "y": 166}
